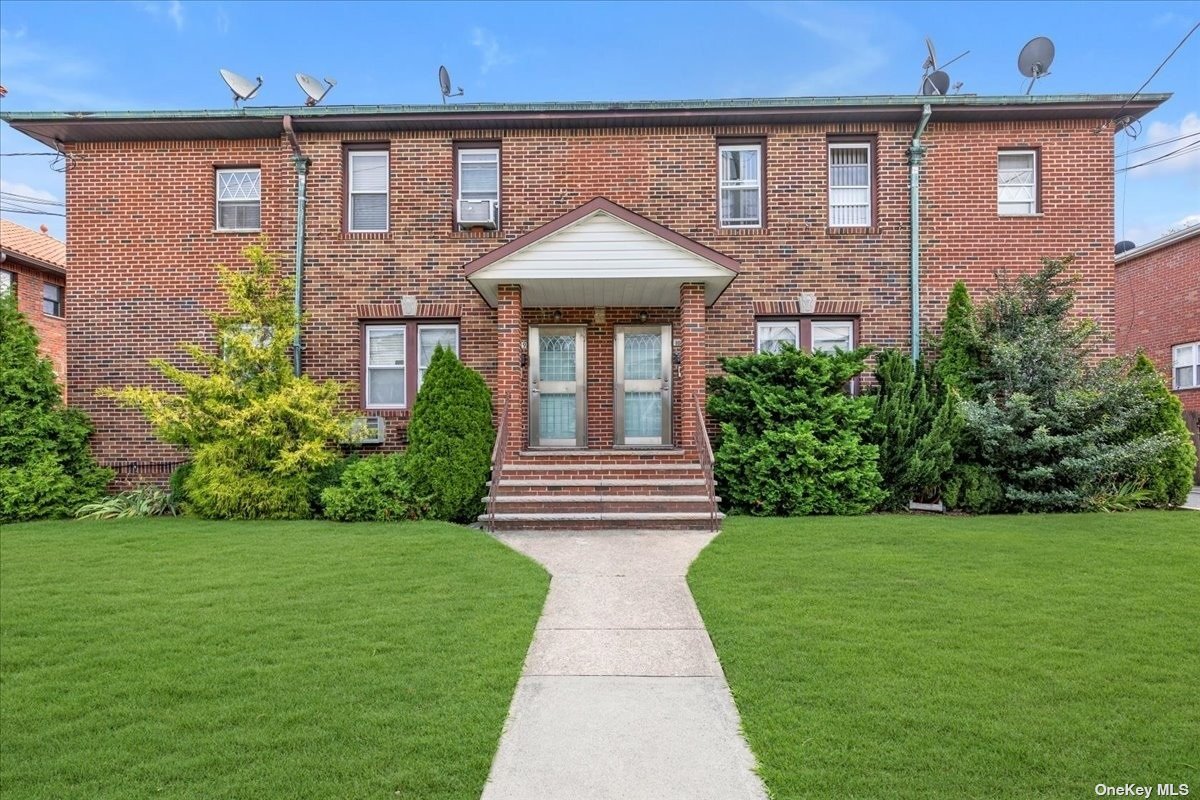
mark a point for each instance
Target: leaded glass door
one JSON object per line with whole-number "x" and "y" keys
{"x": 557, "y": 387}
{"x": 642, "y": 394}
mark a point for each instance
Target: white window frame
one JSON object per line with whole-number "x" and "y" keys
{"x": 61, "y": 301}
{"x": 8, "y": 281}
{"x": 421, "y": 370}
{"x": 217, "y": 199}
{"x": 866, "y": 146}
{"x": 849, "y": 323}
{"x": 351, "y": 191}
{"x": 1194, "y": 365}
{"x": 367, "y": 367}
{"x": 458, "y": 157}
{"x": 791, "y": 324}
{"x": 1033, "y": 204}
{"x": 722, "y": 184}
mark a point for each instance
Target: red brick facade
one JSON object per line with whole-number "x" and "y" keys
{"x": 142, "y": 244}
{"x": 1158, "y": 303}
{"x": 30, "y": 274}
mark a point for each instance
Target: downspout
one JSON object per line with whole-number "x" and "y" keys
{"x": 916, "y": 154}
{"x": 301, "y": 162}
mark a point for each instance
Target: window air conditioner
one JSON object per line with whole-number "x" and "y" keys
{"x": 477, "y": 213}
{"x": 367, "y": 430}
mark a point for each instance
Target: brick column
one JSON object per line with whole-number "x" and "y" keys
{"x": 510, "y": 375}
{"x": 690, "y": 386}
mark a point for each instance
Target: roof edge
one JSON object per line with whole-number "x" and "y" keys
{"x": 1183, "y": 234}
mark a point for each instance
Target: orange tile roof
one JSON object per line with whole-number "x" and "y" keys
{"x": 21, "y": 241}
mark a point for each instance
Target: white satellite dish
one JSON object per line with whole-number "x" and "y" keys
{"x": 313, "y": 88}
{"x": 241, "y": 86}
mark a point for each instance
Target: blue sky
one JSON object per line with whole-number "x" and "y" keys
{"x": 165, "y": 55}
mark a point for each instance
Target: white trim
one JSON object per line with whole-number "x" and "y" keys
{"x": 1034, "y": 210}
{"x": 741, "y": 184}
{"x": 459, "y": 180}
{"x": 350, "y": 191}
{"x": 1194, "y": 365}
{"x": 792, "y": 324}
{"x": 848, "y": 323}
{"x": 1159, "y": 243}
{"x": 869, "y": 186}
{"x": 217, "y": 199}
{"x": 367, "y": 331}
{"x": 436, "y": 326}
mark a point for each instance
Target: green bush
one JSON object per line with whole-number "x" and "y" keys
{"x": 1167, "y": 479}
{"x": 957, "y": 365}
{"x": 450, "y": 439}
{"x": 374, "y": 489}
{"x": 972, "y": 488}
{"x": 176, "y": 484}
{"x": 791, "y": 436}
{"x": 259, "y": 436}
{"x": 45, "y": 467}
{"x": 145, "y": 501}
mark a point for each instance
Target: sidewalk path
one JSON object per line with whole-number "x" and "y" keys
{"x": 1193, "y": 500}
{"x": 622, "y": 695}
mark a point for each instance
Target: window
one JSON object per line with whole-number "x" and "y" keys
{"x": 429, "y": 337}
{"x": 828, "y": 336}
{"x": 1017, "y": 182}
{"x": 238, "y": 200}
{"x": 52, "y": 299}
{"x": 772, "y": 336}
{"x": 740, "y": 185}
{"x": 368, "y": 191}
{"x": 8, "y": 280}
{"x": 850, "y": 185}
{"x": 390, "y": 348}
{"x": 1185, "y": 364}
{"x": 261, "y": 336}
{"x": 478, "y": 183}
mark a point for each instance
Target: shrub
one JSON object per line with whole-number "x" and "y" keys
{"x": 450, "y": 439}
{"x": 973, "y": 488}
{"x": 1167, "y": 479}
{"x": 791, "y": 437}
{"x": 176, "y": 484}
{"x": 258, "y": 434}
{"x": 958, "y": 358}
{"x": 915, "y": 432}
{"x": 45, "y": 467}
{"x": 145, "y": 501}
{"x": 373, "y": 489}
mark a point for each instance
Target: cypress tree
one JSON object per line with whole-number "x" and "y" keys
{"x": 958, "y": 360}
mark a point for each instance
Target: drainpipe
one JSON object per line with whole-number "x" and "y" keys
{"x": 301, "y": 162}
{"x": 916, "y": 154}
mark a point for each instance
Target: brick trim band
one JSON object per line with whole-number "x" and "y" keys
{"x": 424, "y": 311}
{"x": 783, "y": 308}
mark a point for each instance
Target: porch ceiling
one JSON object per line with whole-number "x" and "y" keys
{"x": 601, "y": 254}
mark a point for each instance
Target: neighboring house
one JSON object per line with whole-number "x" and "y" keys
{"x": 1158, "y": 308}
{"x": 591, "y": 260}
{"x": 34, "y": 265}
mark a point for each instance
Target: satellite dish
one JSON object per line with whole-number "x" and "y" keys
{"x": 931, "y": 61}
{"x": 444, "y": 84}
{"x": 1035, "y": 59}
{"x": 313, "y": 88}
{"x": 241, "y": 86}
{"x": 936, "y": 83}
{"x": 1124, "y": 246}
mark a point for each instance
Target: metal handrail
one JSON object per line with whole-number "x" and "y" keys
{"x": 498, "y": 450}
{"x": 704, "y": 447}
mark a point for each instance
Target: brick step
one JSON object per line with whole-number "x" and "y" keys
{"x": 622, "y": 456}
{"x": 598, "y": 503}
{"x": 650, "y": 487}
{"x": 607, "y": 520}
{"x": 601, "y": 471}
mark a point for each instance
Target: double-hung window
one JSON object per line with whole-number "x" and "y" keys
{"x": 1017, "y": 182}
{"x": 807, "y": 333}
{"x": 478, "y": 201}
{"x": 52, "y": 299}
{"x": 391, "y": 351}
{"x": 829, "y": 336}
{"x": 849, "y": 185}
{"x": 740, "y": 185}
{"x": 239, "y": 199}
{"x": 1185, "y": 363}
{"x": 775, "y": 335}
{"x": 368, "y": 191}
{"x": 8, "y": 282}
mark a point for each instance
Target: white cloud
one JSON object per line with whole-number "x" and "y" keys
{"x": 39, "y": 74}
{"x": 1169, "y": 135}
{"x": 850, "y": 37}
{"x": 25, "y": 190}
{"x": 1186, "y": 222}
{"x": 222, "y": 20}
{"x": 172, "y": 10}
{"x": 489, "y": 48}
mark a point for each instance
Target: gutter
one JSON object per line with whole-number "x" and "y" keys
{"x": 916, "y": 154}
{"x": 301, "y": 162}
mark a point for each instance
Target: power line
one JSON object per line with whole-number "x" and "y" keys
{"x": 1170, "y": 55}
{"x": 1165, "y": 141}
{"x": 26, "y": 198}
{"x": 1187, "y": 148}
{"x": 26, "y": 211}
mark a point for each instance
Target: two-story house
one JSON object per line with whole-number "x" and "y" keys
{"x": 592, "y": 260}
{"x": 33, "y": 266}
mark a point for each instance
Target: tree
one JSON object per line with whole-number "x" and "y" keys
{"x": 45, "y": 467}
{"x": 258, "y": 434}
{"x": 1167, "y": 479}
{"x": 958, "y": 359}
{"x": 450, "y": 439}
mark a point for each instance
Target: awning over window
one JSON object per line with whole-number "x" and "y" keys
{"x": 601, "y": 254}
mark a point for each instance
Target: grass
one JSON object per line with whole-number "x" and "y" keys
{"x": 177, "y": 658}
{"x": 919, "y": 657}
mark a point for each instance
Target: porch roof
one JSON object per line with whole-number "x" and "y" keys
{"x": 602, "y": 254}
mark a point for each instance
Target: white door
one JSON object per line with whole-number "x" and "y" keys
{"x": 642, "y": 390}
{"x": 557, "y": 386}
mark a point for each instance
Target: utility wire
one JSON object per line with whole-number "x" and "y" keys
{"x": 25, "y": 198}
{"x": 1186, "y": 149}
{"x": 25, "y": 211}
{"x": 1170, "y": 55}
{"x": 1165, "y": 141}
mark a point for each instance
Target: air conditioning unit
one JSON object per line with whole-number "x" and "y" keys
{"x": 477, "y": 213}
{"x": 367, "y": 430}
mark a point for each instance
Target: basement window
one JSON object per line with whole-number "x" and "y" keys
{"x": 239, "y": 200}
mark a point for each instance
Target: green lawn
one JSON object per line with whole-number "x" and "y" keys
{"x": 920, "y": 657}
{"x": 188, "y": 659}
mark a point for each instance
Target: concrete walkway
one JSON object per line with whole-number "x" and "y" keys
{"x": 622, "y": 695}
{"x": 1193, "y": 501}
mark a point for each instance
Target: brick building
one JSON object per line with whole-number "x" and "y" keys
{"x": 1158, "y": 308}
{"x": 592, "y": 260}
{"x": 34, "y": 265}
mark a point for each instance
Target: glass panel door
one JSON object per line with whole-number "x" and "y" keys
{"x": 642, "y": 413}
{"x": 557, "y": 400}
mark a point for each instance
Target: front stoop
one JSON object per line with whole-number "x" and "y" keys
{"x": 601, "y": 490}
